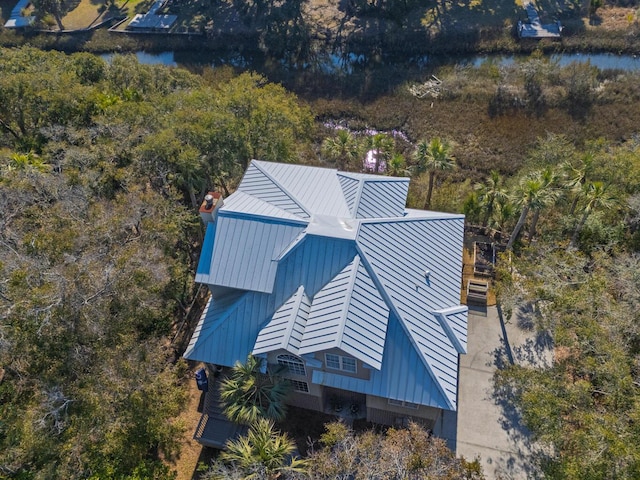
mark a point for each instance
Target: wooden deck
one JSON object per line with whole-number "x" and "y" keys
{"x": 214, "y": 429}
{"x": 469, "y": 274}
{"x": 535, "y": 28}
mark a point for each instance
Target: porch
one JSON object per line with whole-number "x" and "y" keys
{"x": 214, "y": 429}
{"x": 346, "y": 405}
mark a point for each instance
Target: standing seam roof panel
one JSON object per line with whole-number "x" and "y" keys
{"x": 316, "y": 189}
{"x": 403, "y": 275}
{"x": 243, "y": 203}
{"x": 380, "y": 199}
{"x": 280, "y": 332}
{"x": 215, "y": 313}
{"x": 245, "y": 259}
{"x": 350, "y": 188}
{"x": 366, "y": 333}
{"x": 260, "y": 185}
{"x": 204, "y": 263}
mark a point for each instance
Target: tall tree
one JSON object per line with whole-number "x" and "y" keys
{"x": 576, "y": 175}
{"x": 549, "y": 179}
{"x": 596, "y": 195}
{"x": 381, "y": 147}
{"x": 249, "y": 394}
{"x": 433, "y": 157}
{"x": 534, "y": 192}
{"x": 397, "y": 166}
{"x": 489, "y": 192}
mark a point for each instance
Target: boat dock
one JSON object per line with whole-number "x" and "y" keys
{"x": 535, "y": 28}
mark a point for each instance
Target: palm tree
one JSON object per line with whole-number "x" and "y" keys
{"x": 248, "y": 394}
{"x": 534, "y": 193}
{"x": 28, "y": 161}
{"x": 472, "y": 208}
{"x": 549, "y": 179}
{"x": 504, "y": 212}
{"x": 432, "y": 157}
{"x": 382, "y": 146}
{"x": 397, "y": 165}
{"x": 596, "y": 195}
{"x": 490, "y": 192}
{"x": 343, "y": 148}
{"x": 575, "y": 177}
{"x": 263, "y": 452}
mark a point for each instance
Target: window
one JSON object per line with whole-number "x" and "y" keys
{"x": 300, "y": 386}
{"x": 400, "y": 403}
{"x": 338, "y": 362}
{"x": 293, "y": 364}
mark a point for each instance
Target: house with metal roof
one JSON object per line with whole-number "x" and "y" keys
{"x": 328, "y": 274}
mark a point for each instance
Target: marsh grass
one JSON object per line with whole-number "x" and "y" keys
{"x": 482, "y": 141}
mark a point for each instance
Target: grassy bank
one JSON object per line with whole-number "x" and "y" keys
{"x": 295, "y": 31}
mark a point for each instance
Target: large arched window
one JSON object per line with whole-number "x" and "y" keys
{"x": 293, "y": 364}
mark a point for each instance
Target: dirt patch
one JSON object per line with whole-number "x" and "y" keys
{"x": 614, "y": 18}
{"x": 191, "y": 452}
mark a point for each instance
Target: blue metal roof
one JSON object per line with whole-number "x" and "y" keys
{"x": 204, "y": 263}
{"x": 392, "y": 192}
{"x": 334, "y": 260}
{"x": 249, "y": 260}
{"x": 287, "y": 326}
{"x": 403, "y": 375}
{"x": 419, "y": 275}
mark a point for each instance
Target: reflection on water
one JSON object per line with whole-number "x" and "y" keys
{"x": 603, "y": 61}
{"x": 347, "y": 63}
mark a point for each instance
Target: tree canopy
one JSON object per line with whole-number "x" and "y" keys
{"x": 101, "y": 166}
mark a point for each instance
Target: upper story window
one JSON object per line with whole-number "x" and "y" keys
{"x": 293, "y": 364}
{"x": 400, "y": 403}
{"x": 338, "y": 362}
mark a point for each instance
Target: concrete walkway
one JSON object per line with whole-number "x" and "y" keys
{"x": 486, "y": 426}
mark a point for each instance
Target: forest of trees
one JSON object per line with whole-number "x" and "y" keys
{"x": 102, "y": 166}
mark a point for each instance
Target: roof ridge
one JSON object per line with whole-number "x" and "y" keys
{"x": 300, "y": 292}
{"x": 252, "y": 216}
{"x": 291, "y": 197}
{"x": 356, "y": 202}
{"x": 345, "y": 306}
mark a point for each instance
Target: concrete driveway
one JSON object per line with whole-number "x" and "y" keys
{"x": 487, "y": 427}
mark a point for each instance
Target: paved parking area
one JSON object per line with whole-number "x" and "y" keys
{"x": 486, "y": 427}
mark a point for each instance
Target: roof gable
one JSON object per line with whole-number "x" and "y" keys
{"x": 316, "y": 190}
{"x": 374, "y": 196}
{"x": 258, "y": 183}
{"x": 348, "y": 314}
{"x": 286, "y": 328}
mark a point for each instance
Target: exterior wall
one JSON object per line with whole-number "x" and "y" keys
{"x": 311, "y": 400}
{"x": 305, "y": 400}
{"x": 380, "y": 411}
